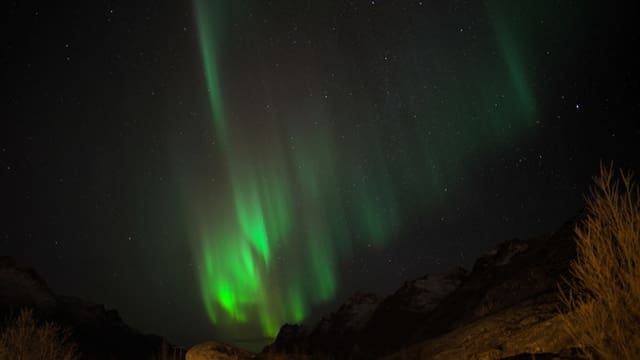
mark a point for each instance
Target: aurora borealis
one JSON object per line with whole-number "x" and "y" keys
{"x": 214, "y": 169}
{"x": 296, "y": 196}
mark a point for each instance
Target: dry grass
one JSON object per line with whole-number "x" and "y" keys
{"x": 169, "y": 353}
{"x": 604, "y": 296}
{"x": 24, "y": 339}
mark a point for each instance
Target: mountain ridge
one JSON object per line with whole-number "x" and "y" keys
{"x": 100, "y": 333}
{"x": 507, "y": 305}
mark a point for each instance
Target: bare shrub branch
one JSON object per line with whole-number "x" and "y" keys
{"x": 24, "y": 339}
{"x": 604, "y": 294}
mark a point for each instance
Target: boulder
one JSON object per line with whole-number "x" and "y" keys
{"x": 213, "y": 350}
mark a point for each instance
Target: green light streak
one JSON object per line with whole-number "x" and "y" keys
{"x": 251, "y": 218}
{"x": 209, "y": 19}
{"x": 514, "y": 54}
{"x": 237, "y": 251}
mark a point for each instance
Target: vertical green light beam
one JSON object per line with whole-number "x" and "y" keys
{"x": 209, "y": 25}
{"x": 514, "y": 55}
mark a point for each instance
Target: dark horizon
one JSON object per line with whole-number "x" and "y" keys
{"x": 213, "y": 170}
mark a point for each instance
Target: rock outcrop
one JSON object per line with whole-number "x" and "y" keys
{"x": 334, "y": 334}
{"x": 405, "y": 310}
{"x": 213, "y": 350}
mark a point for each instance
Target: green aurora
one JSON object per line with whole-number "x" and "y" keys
{"x": 301, "y": 190}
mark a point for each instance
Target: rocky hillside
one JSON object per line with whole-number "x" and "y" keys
{"x": 506, "y": 307}
{"x": 99, "y": 333}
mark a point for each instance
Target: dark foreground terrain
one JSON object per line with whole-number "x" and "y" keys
{"x": 505, "y": 307}
{"x": 98, "y": 332}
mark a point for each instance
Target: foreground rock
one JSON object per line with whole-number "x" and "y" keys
{"x": 98, "y": 332}
{"x": 213, "y": 350}
{"x": 506, "y": 307}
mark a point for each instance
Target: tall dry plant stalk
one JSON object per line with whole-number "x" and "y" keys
{"x": 604, "y": 294}
{"x": 24, "y": 339}
{"x": 168, "y": 353}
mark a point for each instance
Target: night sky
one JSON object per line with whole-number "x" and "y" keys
{"x": 213, "y": 169}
